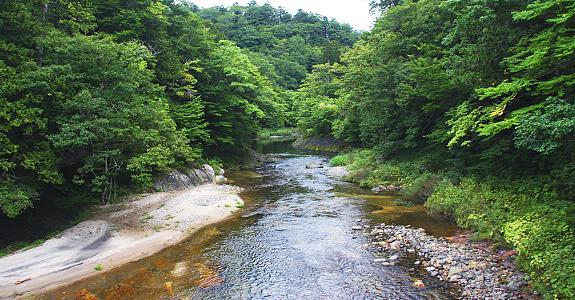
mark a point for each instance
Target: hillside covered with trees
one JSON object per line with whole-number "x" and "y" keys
{"x": 284, "y": 47}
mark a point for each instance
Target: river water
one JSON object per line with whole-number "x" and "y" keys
{"x": 293, "y": 240}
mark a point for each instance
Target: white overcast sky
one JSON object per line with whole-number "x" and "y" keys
{"x": 354, "y": 12}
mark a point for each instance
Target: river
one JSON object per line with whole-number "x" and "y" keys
{"x": 292, "y": 240}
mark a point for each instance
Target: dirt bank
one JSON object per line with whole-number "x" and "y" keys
{"x": 117, "y": 235}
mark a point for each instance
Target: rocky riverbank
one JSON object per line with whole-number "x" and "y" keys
{"x": 478, "y": 271}
{"x": 122, "y": 233}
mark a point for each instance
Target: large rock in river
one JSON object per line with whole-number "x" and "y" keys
{"x": 337, "y": 172}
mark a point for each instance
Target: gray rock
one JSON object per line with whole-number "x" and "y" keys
{"x": 177, "y": 180}
{"x": 314, "y": 166}
{"x": 209, "y": 170}
{"x": 454, "y": 271}
{"x": 395, "y": 245}
{"x": 202, "y": 176}
{"x": 220, "y": 179}
{"x": 476, "y": 271}
{"x": 174, "y": 181}
{"x": 337, "y": 172}
{"x": 387, "y": 189}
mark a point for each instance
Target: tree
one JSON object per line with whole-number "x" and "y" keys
{"x": 315, "y": 101}
{"x": 292, "y": 44}
{"x": 113, "y": 120}
{"x": 239, "y": 100}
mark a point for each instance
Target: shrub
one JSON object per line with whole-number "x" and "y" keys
{"x": 340, "y": 160}
{"x": 420, "y": 188}
{"x": 99, "y": 267}
{"x": 525, "y": 214}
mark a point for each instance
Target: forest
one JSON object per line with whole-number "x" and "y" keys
{"x": 98, "y": 97}
{"x": 468, "y": 105}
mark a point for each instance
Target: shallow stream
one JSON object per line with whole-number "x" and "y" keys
{"x": 293, "y": 240}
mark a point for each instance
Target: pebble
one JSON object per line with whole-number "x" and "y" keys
{"x": 395, "y": 245}
{"x": 475, "y": 272}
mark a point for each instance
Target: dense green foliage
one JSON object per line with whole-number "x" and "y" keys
{"x": 283, "y": 46}
{"x": 480, "y": 93}
{"x": 526, "y": 214}
{"x": 99, "y": 96}
{"x": 314, "y": 103}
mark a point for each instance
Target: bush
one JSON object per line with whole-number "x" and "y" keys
{"x": 420, "y": 188}
{"x": 368, "y": 170}
{"x": 525, "y": 214}
{"x": 339, "y": 160}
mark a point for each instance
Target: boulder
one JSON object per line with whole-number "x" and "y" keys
{"x": 173, "y": 181}
{"x": 390, "y": 188}
{"x": 209, "y": 171}
{"x": 220, "y": 179}
{"x": 177, "y": 180}
{"x": 337, "y": 172}
{"x": 314, "y": 165}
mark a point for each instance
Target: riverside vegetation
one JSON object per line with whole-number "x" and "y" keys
{"x": 467, "y": 105}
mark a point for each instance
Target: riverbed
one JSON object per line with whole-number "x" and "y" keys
{"x": 294, "y": 239}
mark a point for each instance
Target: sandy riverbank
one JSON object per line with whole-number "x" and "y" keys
{"x": 118, "y": 235}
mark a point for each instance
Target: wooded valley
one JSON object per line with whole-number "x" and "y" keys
{"x": 468, "y": 105}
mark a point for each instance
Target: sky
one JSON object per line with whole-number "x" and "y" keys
{"x": 355, "y": 12}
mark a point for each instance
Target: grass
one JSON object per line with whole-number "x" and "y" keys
{"x": 368, "y": 170}
{"x": 20, "y": 246}
{"x": 99, "y": 267}
{"x": 340, "y": 160}
{"x": 525, "y": 214}
{"x": 145, "y": 218}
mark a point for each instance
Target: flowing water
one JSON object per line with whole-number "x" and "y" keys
{"x": 293, "y": 240}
